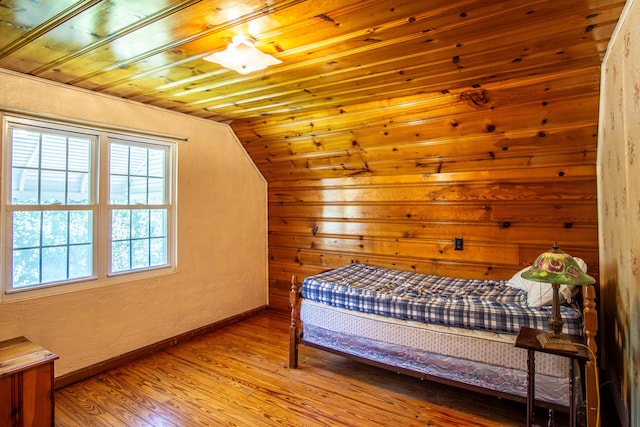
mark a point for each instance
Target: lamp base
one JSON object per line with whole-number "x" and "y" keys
{"x": 552, "y": 341}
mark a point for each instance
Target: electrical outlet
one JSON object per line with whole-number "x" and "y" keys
{"x": 458, "y": 243}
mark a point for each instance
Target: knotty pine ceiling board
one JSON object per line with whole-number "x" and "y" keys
{"x": 335, "y": 53}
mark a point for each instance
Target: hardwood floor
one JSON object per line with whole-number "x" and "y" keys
{"x": 238, "y": 376}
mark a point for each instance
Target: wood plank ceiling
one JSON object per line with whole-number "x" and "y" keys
{"x": 335, "y": 52}
{"x": 390, "y": 126}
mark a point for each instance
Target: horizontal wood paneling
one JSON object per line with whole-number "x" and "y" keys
{"x": 509, "y": 167}
{"x": 581, "y": 235}
{"x": 443, "y": 192}
{"x": 433, "y": 211}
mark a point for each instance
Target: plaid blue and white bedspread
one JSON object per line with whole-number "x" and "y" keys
{"x": 471, "y": 304}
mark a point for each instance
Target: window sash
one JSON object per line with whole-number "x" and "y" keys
{"x": 128, "y": 173}
{"x": 136, "y": 169}
{"x": 134, "y": 232}
{"x": 67, "y": 255}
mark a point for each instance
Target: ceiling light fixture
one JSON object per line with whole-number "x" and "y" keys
{"x": 242, "y": 56}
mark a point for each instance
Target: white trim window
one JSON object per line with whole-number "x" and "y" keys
{"x": 82, "y": 206}
{"x": 138, "y": 205}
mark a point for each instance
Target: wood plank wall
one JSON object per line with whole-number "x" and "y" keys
{"x": 507, "y": 166}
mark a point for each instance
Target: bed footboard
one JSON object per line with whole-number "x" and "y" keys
{"x": 294, "y": 330}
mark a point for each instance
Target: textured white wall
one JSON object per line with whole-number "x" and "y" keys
{"x": 222, "y": 239}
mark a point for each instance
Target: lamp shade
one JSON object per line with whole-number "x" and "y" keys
{"x": 558, "y": 268}
{"x": 242, "y": 56}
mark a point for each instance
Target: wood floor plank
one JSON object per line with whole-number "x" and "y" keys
{"x": 272, "y": 383}
{"x": 82, "y": 408}
{"x": 238, "y": 376}
{"x": 153, "y": 412}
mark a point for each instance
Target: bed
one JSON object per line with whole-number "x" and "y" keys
{"x": 451, "y": 330}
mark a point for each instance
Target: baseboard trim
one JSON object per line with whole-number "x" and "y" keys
{"x": 90, "y": 371}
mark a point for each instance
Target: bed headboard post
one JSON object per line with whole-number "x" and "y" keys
{"x": 293, "y": 326}
{"x": 590, "y": 319}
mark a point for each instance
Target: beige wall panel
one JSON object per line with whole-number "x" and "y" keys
{"x": 222, "y": 239}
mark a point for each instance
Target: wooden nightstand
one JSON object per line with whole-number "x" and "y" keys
{"x": 527, "y": 339}
{"x": 26, "y": 384}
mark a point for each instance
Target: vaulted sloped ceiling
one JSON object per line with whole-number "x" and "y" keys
{"x": 335, "y": 52}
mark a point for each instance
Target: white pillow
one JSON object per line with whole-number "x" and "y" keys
{"x": 539, "y": 293}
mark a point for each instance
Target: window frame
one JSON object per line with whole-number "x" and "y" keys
{"x": 98, "y": 204}
{"x": 111, "y": 207}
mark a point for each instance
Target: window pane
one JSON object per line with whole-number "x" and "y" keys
{"x": 156, "y": 191}
{"x": 140, "y": 223}
{"x": 119, "y": 190}
{"x": 138, "y": 161}
{"x": 25, "y": 150}
{"x": 79, "y": 154}
{"x": 158, "y": 222}
{"x": 156, "y": 163}
{"x": 54, "y": 228}
{"x": 26, "y": 267}
{"x": 158, "y": 252}
{"x": 80, "y": 261}
{"x": 120, "y": 225}
{"x": 78, "y": 188}
{"x": 138, "y": 189}
{"x": 140, "y": 253}
{"x": 24, "y": 186}
{"x": 80, "y": 227}
{"x": 54, "y": 152}
{"x": 120, "y": 253}
{"x": 26, "y": 229}
{"x": 119, "y": 159}
{"x": 53, "y": 187}
{"x": 54, "y": 264}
